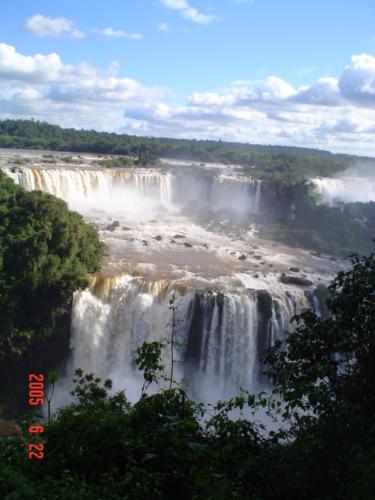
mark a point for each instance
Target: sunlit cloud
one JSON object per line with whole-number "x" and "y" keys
{"x": 112, "y": 33}
{"x": 163, "y": 27}
{"x": 43, "y": 26}
{"x": 188, "y": 11}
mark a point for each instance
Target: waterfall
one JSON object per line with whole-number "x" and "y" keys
{"x": 228, "y": 192}
{"x": 345, "y": 189}
{"x": 78, "y": 186}
{"x": 235, "y": 193}
{"x": 222, "y": 351}
{"x": 220, "y": 336}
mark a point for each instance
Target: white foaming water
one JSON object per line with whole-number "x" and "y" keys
{"x": 345, "y": 189}
{"x": 111, "y": 190}
{"x": 218, "y": 337}
{"x": 129, "y": 190}
{"x": 240, "y": 195}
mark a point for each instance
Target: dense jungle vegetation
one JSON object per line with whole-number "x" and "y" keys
{"x": 169, "y": 447}
{"x": 337, "y": 230}
{"x": 276, "y": 162}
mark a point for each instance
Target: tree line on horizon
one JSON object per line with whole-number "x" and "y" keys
{"x": 258, "y": 160}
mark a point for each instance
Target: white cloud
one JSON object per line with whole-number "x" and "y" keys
{"x": 163, "y": 27}
{"x": 112, "y": 33}
{"x": 34, "y": 68}
{"x": 188, "y": 11}
{"x": 325, "y": 92}
{"x": 273, "y": 89}
{"x": 357, "y": 82}
{"x": 333, "y": 113}
{"x": 211, "y": 99}
{"x": 43, "y": 26}
{"x": 247, "y": 93}
{"x": 72, "y": 95}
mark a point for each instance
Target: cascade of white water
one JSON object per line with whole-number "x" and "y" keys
{"x": 316, "y": 305}
{"x": 240, "y": 195}
{"x": 109, "y": 325}
{"x": 222, "y": 347}
{"x": 345, "y": 189}
{"x": 218, "y": 192}
{"x": 219, "y": 340}
{"x": 257, "y": 198}
{"x": 76, "y": 185}
{"x": 278, "y": 323}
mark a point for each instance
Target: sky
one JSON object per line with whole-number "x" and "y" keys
{"x": 287, "y": 72}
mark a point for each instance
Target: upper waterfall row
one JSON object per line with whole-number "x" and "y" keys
{"x": 108, "y": 188}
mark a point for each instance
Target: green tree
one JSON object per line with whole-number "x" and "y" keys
{"x": 325, "y": 376}
{"x": 46, "y": 253}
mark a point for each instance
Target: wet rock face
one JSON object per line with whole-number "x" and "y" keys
{"x": 264, "y": 313}
{"x": 295, "y": 280}
{"x": 113, "y": 226}
{"x": 279, "y": 200}
{"x": 264, "y": 305}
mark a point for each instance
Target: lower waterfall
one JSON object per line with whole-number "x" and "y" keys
{"x": 220, "y": 337}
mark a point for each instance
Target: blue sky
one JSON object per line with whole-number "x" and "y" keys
{"x": 267, "y": 71}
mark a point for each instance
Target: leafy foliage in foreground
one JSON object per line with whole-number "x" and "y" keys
{"x": 167, "y": 446}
